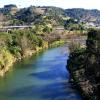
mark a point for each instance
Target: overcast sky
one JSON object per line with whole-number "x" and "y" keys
{"x": 88, "y": 4}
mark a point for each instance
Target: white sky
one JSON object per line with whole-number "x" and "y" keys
{"x": 88, "y": 4}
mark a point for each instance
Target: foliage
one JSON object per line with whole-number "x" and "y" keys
{"x": 18, "y": 41}
{"x": 76, "y": 47}
{"x": 72, "y": 24}
{"x": 84, "y": 14}
{"x": 32, "y": 15}
{"x": 5, "y": 57}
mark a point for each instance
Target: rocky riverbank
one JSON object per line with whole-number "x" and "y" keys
{"x": 84, "y": 66}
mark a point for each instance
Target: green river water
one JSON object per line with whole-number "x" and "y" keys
{"x": 41, "y": 77}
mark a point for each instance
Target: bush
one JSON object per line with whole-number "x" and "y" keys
{"x": 76, "y": 47}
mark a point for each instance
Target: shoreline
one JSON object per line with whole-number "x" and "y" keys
{"x": 28, "y": 54}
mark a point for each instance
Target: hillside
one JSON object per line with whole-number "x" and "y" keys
{"x": 84, "y": 15}
{"x": 58, "y": 16}
{"x": 32, "y": 14}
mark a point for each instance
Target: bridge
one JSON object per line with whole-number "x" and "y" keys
{"x": 8, "y": 28}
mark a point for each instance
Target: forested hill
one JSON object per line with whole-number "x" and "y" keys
{"x": 84, "y": 14}
{"x": 32, "y": 14}
{"x": 12, "y": 15}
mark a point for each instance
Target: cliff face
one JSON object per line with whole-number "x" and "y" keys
{"x": 84, "y": 67}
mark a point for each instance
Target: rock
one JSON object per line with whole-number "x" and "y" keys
{"x": 84, "y": 67}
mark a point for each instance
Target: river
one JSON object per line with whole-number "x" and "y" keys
{"x": 41, "y": 77}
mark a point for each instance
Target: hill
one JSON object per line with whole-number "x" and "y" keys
{"x": 32, "y": 14}
{"x": 84, "y": 15}
{"x": 35, "y": 14}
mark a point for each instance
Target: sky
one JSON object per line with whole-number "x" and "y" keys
{"x": 87, "y": 4}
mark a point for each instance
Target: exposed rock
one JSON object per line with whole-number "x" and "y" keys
{"x": 84, "y": 67}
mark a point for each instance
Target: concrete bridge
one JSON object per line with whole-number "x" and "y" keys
{"x": 8, "y": 28}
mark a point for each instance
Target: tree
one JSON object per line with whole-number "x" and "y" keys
{"x": 2, "y": 19}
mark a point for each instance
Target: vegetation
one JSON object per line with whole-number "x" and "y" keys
{"x": 32, "y": 14}
{"x": 72, "y": 24}
{"x": 84, "y": 66}
{"x": 57, "y": 43}
{"x": 44, "y": 21}
{"x": 19, "y": 43}
{"x": 84, "y": 15}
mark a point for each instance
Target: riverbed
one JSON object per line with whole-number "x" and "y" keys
{"x": 42, "y": 77}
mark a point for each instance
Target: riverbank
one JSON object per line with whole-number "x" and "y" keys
{"x": 18, "y": 44}
{"x": 42, "y": 76}
{"x": 9, "y": 59}
{"x": 84, "y": 66}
